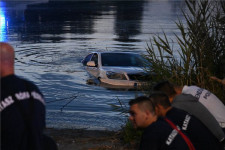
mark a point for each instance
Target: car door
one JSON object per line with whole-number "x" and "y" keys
{"x": 87, "y": 59}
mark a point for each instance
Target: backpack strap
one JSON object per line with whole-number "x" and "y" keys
{"x": 186, "y": 139}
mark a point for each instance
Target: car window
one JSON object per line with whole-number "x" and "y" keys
{"x": 87, "y": 59}
{"x": 122, "y": 59}
{"x": 95, "y": 59}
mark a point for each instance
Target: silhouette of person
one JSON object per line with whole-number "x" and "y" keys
{"x": 22, "y": 108}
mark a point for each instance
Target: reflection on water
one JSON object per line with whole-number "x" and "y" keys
{"x": 52, "y": 37}
{"x": 79, "y": 18}
{"x": 126, "y": 26}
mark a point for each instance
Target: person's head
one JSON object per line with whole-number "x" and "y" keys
{"x": 171, "y": 90}
{"x": 6, "y": 59}
{"x": 161, "y": 102}
{"x": 142, "y": 112}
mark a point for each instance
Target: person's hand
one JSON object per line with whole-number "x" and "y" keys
{"x": 218, "y": 80}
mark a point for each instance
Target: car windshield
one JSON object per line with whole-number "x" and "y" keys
{"x": 122, "y": 59}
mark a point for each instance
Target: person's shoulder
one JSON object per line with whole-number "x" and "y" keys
{"x": 29, "y": 84}
{"x": 155, "y": 130}
{"x": 9, "y": 77}
{"x": 177, "y": 111}
{"x": 26, "y": 81}
{"x": 158, "y": 130}
{"x": 191, "y": 87}
{"x": 11, "y": 81}
{"x": 185, "y": 97}
{"x": 157, "y": 125}
{"x": 177, "y": 115}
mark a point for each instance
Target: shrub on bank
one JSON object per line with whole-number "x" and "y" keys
{"x": 201, "y": 51}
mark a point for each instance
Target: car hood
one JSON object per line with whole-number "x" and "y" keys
{"x": 128, "y": 70}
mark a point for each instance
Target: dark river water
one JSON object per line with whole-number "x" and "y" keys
{"x": 51, "y": 38}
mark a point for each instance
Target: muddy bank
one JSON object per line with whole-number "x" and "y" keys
{"x": 81, "y": 139}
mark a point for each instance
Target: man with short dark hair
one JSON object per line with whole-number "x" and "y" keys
{"x": 200, "y": 136}
{"x": 158, "y": 134}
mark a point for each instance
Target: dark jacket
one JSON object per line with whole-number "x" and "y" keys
{"x": 22, "y": 115}
{"x": 161, "y": 136}
{"x": 191, "y": 105}
{"x": 199, "y": 135}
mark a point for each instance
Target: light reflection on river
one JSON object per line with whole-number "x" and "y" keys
{"x": 51, "y": 38}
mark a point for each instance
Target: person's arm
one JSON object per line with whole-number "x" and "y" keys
{"x": 195, "y": 108}
{"x": 218, "y": 80}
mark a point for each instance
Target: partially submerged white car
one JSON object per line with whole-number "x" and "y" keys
{"x": 116, "y": 68}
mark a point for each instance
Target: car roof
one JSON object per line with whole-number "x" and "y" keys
{"x": 116, "y": 52}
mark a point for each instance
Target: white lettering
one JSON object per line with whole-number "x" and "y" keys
{"x": 6, "y": 102}
{"x": 198, "y": 93}
{"x": 37, "y": 96}
{"x": 22, "y": 95}
{"x": 186, "y": 122}
{"x": 207, "y": 94}
{"x": 171, "y": 137}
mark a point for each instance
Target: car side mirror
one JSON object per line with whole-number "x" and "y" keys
{"x": 91, "y": 64}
